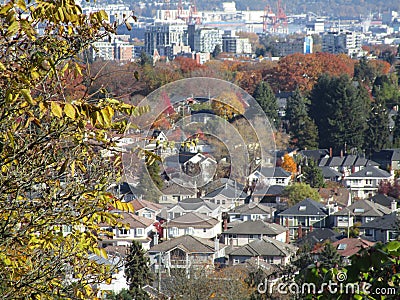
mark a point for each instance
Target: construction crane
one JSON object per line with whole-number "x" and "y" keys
{"x": 269, "y": 18}
{"x": 194, "y": 17}
{"x": 281, "y": 18}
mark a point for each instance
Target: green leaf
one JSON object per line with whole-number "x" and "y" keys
{"x": 56, "y": 109}
{"x": 28, "y": 97}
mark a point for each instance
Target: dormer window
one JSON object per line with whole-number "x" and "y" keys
{"x": 358, "y": 210}
{"x": 342, "y": 247}
{"x": 302, "y": 208}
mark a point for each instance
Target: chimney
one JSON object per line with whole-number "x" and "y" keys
{"x": 287, "y": 241}
{"x": 341, "y": 153}
{"x": 393, "y": 205}
{"x": 330, "y": 152}
{"x": 225, "y": 224}
{"x": 299, "y": 232}
{"x": 155, "y": 239}
{"x": 311, "y": 228}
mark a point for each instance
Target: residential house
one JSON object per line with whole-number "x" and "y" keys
{"x": 303, "y": 215}
{"x": 174, "y": 193}
{"x": 383, "y": 229}
{"x": 227, "y": 196}
{"x": 147, "y": 209}
{"x": 185, "y": 252}
{"x": 264, "y": 177}
{"x": 388, "y": 159}
{"x": 202, "y": 167}
{"x": 365, "y": 183}
{"x": 347, "y": 164}
{"x": 347, "y": 247}
{"x": 196, "y": 224}
{"x": 196, "y": 205}
{"x": 246, "y": 232}
{"x": 337, "y": 196}
{"x": 386, "y": 201}
{"x": 266, "y": 250}
{"x": 330, "y": 174}
{"x": 317, "y": 237}
{"x": 252, "y": 211}
{"x": 138, "y": 228}
{"x": 315, "y": 155}
{"x": 361, "y": 211}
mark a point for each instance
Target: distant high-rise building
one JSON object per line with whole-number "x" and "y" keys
{"x": 204, "y": 39}
{"x": 341, "y": 41}
{"x": 231, "y": 43}
{"x": 164, "y": 35}
{"x": 291, "y": 46}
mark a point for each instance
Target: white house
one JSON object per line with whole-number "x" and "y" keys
{"x": 252, "y": 211}
{"x": 137, "y": 228}
{"x": 269, "y": 176}
{"x": 364, "y": 183}
{"x": 195, "y": 224}
{"x": 196, "y": 205}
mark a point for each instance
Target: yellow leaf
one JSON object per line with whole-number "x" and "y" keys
{"x": 2, "y": 67}
{"x": 56, "y": 109}
{"x": 28, "y": 97}
{"x": 70, "y": 111}
{"x": 103, "y": 253}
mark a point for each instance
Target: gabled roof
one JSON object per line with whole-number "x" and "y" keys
{"x": 277, "y": 172}
{"x": 370, "y": 172}
{"x": 252, "y": 208}
{"x": 307, "y": 207}
{"x": 176, "y": 189}
{"x": 318, "y": 235}
{"x": 386, "y": 222}
{"x": 315, "y": 154}
{"x": 257, "y": 227}
{"x": 349, "y": 246}
{"x": 134, "y": 221}
{"x": 265, "y": 247}
{"x": 192, "y": 219}
{"x": 328, "y": 172}
{"x": 195, "y": 203}
{"x": 365, "y": 208}
{"x": 387, "y": 155}
{"x": 383, "y": 200}
{"x": 138, "y": 204}
{"x": 227, "y": 191}
{"x": 190, "y": 243}
{"x": 339, "y": 196}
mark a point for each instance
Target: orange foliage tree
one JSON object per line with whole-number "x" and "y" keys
{"x": 289, "y": 164}
{"x": 303, "y": 70}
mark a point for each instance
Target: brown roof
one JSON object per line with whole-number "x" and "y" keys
{"x": 350, "y": 246}
{"x": 134, "y": 221}
{"x": 138, "y": 204}
{"x": 176, "y": 189}
{"x": 189, "y": 243}
{"x": 192, "y": 219}
{"x": 337, "y": 195}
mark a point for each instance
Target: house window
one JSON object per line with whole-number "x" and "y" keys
{"x": 232, "y": 236}
{"x": 341, "y": 246}
{"x": 368, "y": 181}
{"x": 174, "y": 231}
{"x": 358, "y": 210}
{"x": 223, "y": 202}
{"x": 235, "y": 261}
{"x": 189, "y": 230}
{"x": 343, "y": 219}
{"x": 369, "y": 232}
{"x": 204, "y": 229}
{"x": 147, "y": 215}
{"x": 279, "y": 180}
{"x": 302, "y": 208}
{"x": 123, "y": 231}
{"x": 139, "y": 232}
{"x": 177, "y": 214}
{"x": 68, "y": 228}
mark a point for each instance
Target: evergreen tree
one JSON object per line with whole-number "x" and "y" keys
{"x": 302, "y": 128}
{"x": 267, "y": 100}
{"x": 396, "y": 131}
{"x": 377, "y": 135}
{"x": 217, "y": 51}
{"x": 339, "y": 108}
{"x": 145, "y": 59}
{"x": 150, "y": 182}
{"x": 329, "y": 257}
{"x": 313, "y": 175}
{"x": 137, "y": 271}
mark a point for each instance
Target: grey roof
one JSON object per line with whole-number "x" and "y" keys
{"x": 328, "y": 172}
{"x": 275, "y": 190}
{"x": 312, "y": 208}
{"x": 386, "y": 222}
{"x": 362, "y": 161}
{"x": 349, "y": 160}
{"x": 383, "y": 200}
{"x": 265, "y": 247}
{"x": 192, "y": 219}
{"x": 175, "y": 189}
{"x": 277, "y": 172}
{"x": 190, "y": 243}
{"x": 370, "y": 172}
{"x": 365, "y": 208}
{"x": 387, "y": 155}
{"x": 315, "y": 154}
{"x": 227, "y": 191}
{"x": 257, "y": 227}
{"x": 196, "y": 203}
{"x": 318, "y": 236}
{"x": 252, "y": 208}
